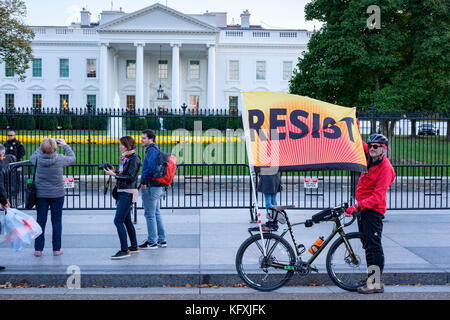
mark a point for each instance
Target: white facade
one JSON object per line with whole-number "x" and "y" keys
{"x": 208, "y": 61}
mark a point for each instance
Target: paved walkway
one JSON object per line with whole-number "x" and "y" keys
{"x": 202, "y": 245}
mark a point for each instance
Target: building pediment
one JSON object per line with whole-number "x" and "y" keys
{"x": 36, "y": 88}
{"x": 90, "y": 88}
{"x": 8, "y": 86}
{"x": 64, "y": 87}
{"x": 157, "y": 18}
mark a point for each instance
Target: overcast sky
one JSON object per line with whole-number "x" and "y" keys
{"x": 287, "y": 14}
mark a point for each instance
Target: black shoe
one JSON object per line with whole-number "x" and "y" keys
{"x": 121, "y": 255}
{"x": 2, "y": 268}
{"x": 133, "y": 249}
{"x": 270, "y": 226}
{"x": 162, "y": 244}
{"x": 147, "y": 245}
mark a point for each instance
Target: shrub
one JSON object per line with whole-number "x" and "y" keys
{"x": 153, "y": 123}
{"x": 30, "y": 124}
{"x": 3, "y": 122}
{"x": 141, "y": 124}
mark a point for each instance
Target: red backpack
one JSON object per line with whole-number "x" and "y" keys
{"x": 166, "y": 166}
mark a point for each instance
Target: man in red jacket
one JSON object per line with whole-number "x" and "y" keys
{"x": 371, "y": 198}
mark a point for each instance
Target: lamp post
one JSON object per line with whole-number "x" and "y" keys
{"x": 184, "y": 106}
{"x": 89, "y": 110}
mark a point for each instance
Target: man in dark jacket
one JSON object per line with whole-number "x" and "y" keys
{"x": 371, "y": 197}
{"x": 151, "y": 194}
{"x": 14, "y": 146}
{"x": 3, "y": 195}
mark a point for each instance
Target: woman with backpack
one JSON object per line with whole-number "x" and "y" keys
{"x": 127, "y": 194}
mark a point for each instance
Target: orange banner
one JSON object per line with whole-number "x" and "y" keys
{"x": 292, "y": 132}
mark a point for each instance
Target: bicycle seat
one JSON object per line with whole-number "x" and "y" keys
{"x": 281, "y": 208}
{"x": 323, "y": 215}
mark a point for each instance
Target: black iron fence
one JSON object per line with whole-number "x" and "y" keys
{"x": 419, "y": 150}
{"x": 215, "y": 186}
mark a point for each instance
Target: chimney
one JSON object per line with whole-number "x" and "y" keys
{"x": 245, "y": 19}
{"x": 85, "y": 18}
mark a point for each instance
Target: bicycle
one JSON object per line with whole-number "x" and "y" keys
{"x": 272, "y": 266}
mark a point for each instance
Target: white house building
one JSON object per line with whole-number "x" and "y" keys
{"x": 196, "y": 59}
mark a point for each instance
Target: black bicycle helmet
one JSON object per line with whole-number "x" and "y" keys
{"x": 378, "y": 138}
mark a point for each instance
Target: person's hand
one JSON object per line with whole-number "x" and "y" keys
{"x": 110, "y": 172}
{"x": 61, "y": 142}
{"x": 6, "y": 206}
{"x": 143, "y": 186}
{"x": 351, "y": 210}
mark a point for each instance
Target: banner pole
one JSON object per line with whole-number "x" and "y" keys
{"x": 252, "y": 171}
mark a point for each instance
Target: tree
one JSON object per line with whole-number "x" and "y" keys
{"x": 404, "y": 65}
{"x": 15, "y": 37}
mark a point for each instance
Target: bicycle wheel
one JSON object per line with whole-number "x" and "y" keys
{"x": 255, "y": 270}
{"x": 344, "y": 272}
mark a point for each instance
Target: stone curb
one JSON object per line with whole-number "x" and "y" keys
{"x": 181, "y": 279}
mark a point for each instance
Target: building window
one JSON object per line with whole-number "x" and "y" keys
{"x": 37, "y": 68}
{"x": 63, "y": 68}
{"x": 9, "y": 69}
{"x": 37, "y": 102}
{"x": 163, "y": 69}
{"x": 194, "y": 70}
{"x": 287, "y": 70}
{"x": 131, "y": 69}
{"x": 92, "y": 100}
{"x": 194, "y": 104}
{"x": 260, "y": 70}
{"x": 233, "y": 104}
{"x": 131, "y": 103}
{"x": 91, "y": 65}
{"x": 234, "y": 70}
{"x": 9, "y": 101}
{"x": 64, "y": 102}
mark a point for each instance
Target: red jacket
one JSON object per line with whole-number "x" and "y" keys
{"x": 373, "y": 185}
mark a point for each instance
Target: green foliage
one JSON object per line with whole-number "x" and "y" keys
{"x": 141, "y": 124}
{"x": 402, "y": 66}
{"x": 30, "y": 123}
{"x": 3, "y": 122}
{"x": 99, "y": 122}
{"x": 153, "y": 123}
{"x": 15, "y": 37}
{"x": 66, "y": 122}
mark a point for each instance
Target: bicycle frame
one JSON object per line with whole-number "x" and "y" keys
{"x": 337, "y": 230}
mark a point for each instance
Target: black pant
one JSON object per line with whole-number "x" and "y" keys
{"x": 370, "y": 223}
{"x": 122, "y": 220}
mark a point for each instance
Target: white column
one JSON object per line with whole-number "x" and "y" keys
{"x": 139, "y": 75}
{"x": 211, "y": 76}
{"x": 116, "y": 73}
{"x": 175, "y": 76}
{"x": 104, "y": 77}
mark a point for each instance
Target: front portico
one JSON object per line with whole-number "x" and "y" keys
{"x": 153, "y": 46}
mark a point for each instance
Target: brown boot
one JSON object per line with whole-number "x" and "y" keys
{"x": 366, "y": 290}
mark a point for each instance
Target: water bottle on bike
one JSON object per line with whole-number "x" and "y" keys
{"x": 316, "y": 245}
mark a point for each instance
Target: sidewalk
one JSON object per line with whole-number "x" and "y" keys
{"x": 202, "y": 245}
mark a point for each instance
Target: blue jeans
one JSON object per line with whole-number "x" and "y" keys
{"x": 123, "y": 222}
{"x": 56, "y": 206}
{"x": 271, "y": 199}
{"x": 151, "y": 200}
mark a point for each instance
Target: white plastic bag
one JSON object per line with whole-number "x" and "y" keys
{"x": 20, "y": 229}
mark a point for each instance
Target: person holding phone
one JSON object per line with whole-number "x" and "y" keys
{"x": 126, "y": 177}
{"x": 50, "y": 189}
